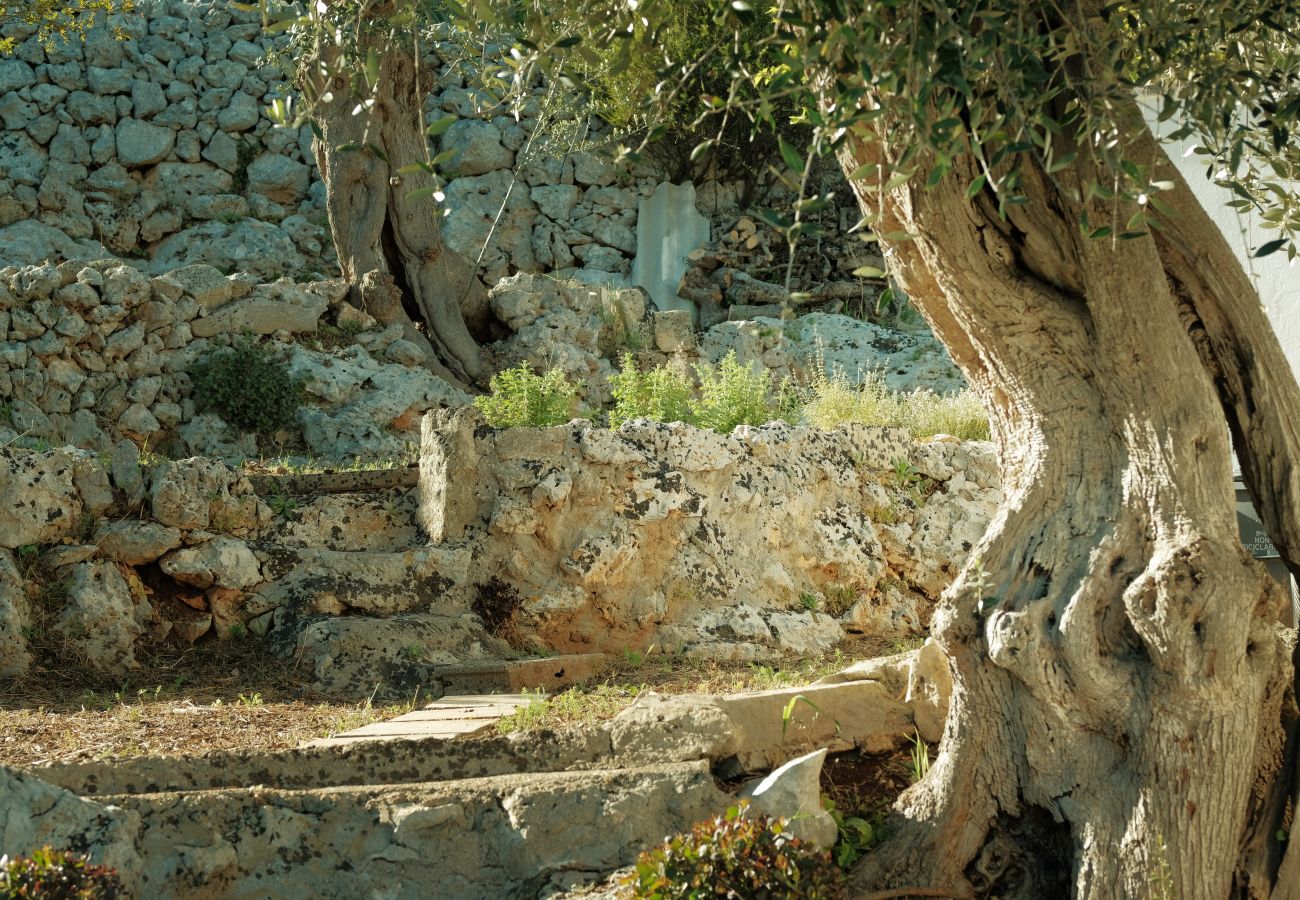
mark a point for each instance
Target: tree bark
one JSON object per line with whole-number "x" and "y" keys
{"x": 1121, "y": 683}
{"x": 383, "y": 217}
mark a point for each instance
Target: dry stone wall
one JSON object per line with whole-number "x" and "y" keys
{"x": 733, "y": 546}
{"x": 157, "y": 148}
{"x": 96, "y": 352}
{"x": 574, "y": 538}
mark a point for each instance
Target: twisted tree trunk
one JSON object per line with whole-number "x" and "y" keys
{"x": 383, "y": 217}
{"x": 1123, "y": 689}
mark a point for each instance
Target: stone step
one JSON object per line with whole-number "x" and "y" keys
{"x": 503, "y": 836}
{"x": 357, "y": 657}
{"x": 317, "y": 483}
{"x": 749, "y": 730}
{"x": 548, "y": 673}
{"x": 451, "y": 716}
{"x": 370, "y": 521}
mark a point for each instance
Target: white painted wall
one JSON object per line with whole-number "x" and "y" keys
{"x": 1277, "y": 281}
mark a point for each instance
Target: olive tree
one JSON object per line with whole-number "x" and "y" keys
{"x": 1124, "y": 703}
{"x": 1123, "y": 719}
{"x": 363, "y": 85}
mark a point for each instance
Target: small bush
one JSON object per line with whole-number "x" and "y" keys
{"x": 732, "y": 394}
{"x": 521, "y": 398}
{"x": 57, "y": 875}
{"x": 247, "y": 386}
{"x": 735, "y": 855}
{"x": 661, "y": 394}
{"x": 835, "y": 400}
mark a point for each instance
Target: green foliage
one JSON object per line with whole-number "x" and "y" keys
{"x": 247, "y": 386}
{"x": 732, "y": 394}
{"x": 660, "y": 395}
{"x": 835, "y": 400}
{"x": 57, "y": 875}
{"x": 520, "y": 398}
{"x": 57, "y": 21}
{"x": 920, "y": 761}
{"x": 857, "y": 836}
{"x": 735, "y": 855}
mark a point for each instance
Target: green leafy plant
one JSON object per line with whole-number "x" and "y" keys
{"x": 1161, "y": 878}
{"x": 920, "y": 764}
{"x": 736, "y": 854}
{"x": 247, "y": 386}
{"x": 809, "y": 601}
{"x": 281, "y": 505}
{"x": 835, "y": 400}
{"x": 733, "y": 394}
{"x": 57, "y": 875}
{"x": 857, "y": 835}
{"x": 660, "y": 394}
{"x": 521, "y": 398}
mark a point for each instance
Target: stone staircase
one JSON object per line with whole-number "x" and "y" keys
{"x": 355, "y": 595}
{"x": 521, "y": 815}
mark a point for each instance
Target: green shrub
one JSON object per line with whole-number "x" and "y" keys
{"x": 661, "y": 394}
{"x": 835, "y": 400}
{"x": 247, "y": 386}
{"x": 732, "y": 394}
{"x": 521, "y": 398}
{"x": 57, "y": 875}
{"x": 735, "y": 855}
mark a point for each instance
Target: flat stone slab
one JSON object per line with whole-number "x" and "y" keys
{"x": 551, "y": 673}
{"x": 451, "y": 716}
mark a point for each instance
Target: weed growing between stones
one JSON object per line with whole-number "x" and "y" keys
{"x": 520, "y": 398}
{"x": 247, "y": 386}
{"x": 728, "y": 394}
{"x": 732, "y": 394}
{"x": 661, "y": 394}
{"x": 736, "y": 854}
{"x": 834, "y": 400}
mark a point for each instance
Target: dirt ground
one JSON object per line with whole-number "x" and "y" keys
{"x": 233, "y": 695}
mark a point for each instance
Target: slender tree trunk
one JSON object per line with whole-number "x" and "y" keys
{"x": 1122, "y": 687}
{"x": 383, "y": 217}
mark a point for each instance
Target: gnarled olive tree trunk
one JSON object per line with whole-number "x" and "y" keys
{"x": 385, "y": 221}
{"x": 1123, "y": 690}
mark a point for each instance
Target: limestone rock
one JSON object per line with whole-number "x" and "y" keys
{"x": 719, "y": 546}
{"x": 478, "y": 147}
{"x": 363, "y": 401}
{"x": 197, "y": 492}
{"x": 220, "y": 562}
{"x": 141, "y": 144}
{"x": 41, "y": 503}
{"x": 101, "y": 618}
{"x": 135, "y": 543}
{"x": 204, "y": 283}
{"x": 30, "y": 242}
{"x": 258, "y": 248}
{"x": 674, "y": 330}
{"x": 279, "y": 178}
{"x": 673, "y": 727}
{"x": 263, "y": 315}
{"x": 357, "y": 657}
{"x": 793, "y": 791}
{"x": 14, "y": 620}
{"x": 906, "y": 360}
{"x": 35, "y": 814}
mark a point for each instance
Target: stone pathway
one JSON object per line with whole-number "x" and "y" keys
{"x": 448, "y": 717}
